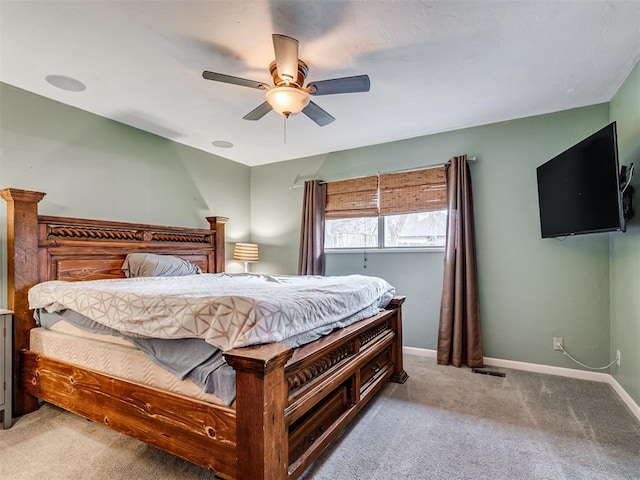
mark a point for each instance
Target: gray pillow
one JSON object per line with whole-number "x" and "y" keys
{"x": 150, "y": 265}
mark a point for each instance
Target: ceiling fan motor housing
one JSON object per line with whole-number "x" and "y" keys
{"x": 303, "y": 70}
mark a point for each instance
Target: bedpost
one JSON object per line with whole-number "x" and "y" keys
{"x": 399, "y": 375}
{"x": 217, "y": 224}
{"x": 262, "y": 394}
{"x": 22, "y": 274}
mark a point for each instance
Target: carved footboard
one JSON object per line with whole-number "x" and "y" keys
{"x": 330, "y": 382}
{"x": 302, "y": 399}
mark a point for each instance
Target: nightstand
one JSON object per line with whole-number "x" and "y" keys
{"x": 6, "y": 355}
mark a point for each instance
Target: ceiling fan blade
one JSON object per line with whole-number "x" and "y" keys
{"x": 359, "y": 83}
{"x": 286, "y": 50}
{"x": 243, "y": 82}
{"x": 258, "y": 112}
{"x": 317, "y": 114}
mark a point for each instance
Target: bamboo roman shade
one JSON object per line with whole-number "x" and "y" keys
{"x": 388, "y": 194}
{"x": 357, "y": 197}
{"x": 411, "y": 192}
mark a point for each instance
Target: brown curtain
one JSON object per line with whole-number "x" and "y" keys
{"x": 459, "y": 334}
{"x": 311, "y": 258}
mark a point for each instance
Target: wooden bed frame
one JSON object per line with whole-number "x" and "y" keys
{"x": 290, "y": 404}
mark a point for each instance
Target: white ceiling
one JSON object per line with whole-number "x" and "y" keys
{"x": 434, "y": 65}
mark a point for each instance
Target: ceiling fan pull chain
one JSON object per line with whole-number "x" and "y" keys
{"x": 284, "y": 119}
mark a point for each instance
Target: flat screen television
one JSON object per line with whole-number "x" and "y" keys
{"x": 579, "y": 189}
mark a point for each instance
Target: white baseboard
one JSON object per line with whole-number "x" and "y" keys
{"x": 626, "y": 398}
{"x": 549, "y": 370}
{"x": 420, "y": 352}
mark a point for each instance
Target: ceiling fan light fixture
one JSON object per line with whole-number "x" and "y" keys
{"x": 287, "y": 100}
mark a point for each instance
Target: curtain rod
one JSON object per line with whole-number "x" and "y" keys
{"x": 411, "y": 169}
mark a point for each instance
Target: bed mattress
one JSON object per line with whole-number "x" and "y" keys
{"x": 226, "y": 310}
{"x": 111, "y": 356}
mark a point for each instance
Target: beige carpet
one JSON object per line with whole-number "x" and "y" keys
{"x": 52, "y": 444}
{"x": 444, "y": 423}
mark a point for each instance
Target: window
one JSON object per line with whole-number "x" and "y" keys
{"x": 351, "y": 233}
{"x": 418, "y": 230}
{"x": 393, "y": 210}
{"x": 422, "y": 229}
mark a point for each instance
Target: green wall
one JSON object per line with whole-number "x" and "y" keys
{"x": 531, "y": 289}
{"x": 625, "y": 249}
{"x": 416, "y": 275}
{"x": 92, "y": 167}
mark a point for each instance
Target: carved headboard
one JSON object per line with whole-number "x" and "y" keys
{"x": 79, "y": 249}
{"x": 41, "y": 248}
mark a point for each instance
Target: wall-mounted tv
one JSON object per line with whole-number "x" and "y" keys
{"x": 579, "y": 190}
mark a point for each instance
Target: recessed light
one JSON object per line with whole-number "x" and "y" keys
{"x": 66, "y": 83}
{"x": 222, "y": 144}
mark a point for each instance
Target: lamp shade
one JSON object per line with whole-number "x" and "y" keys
{"x": 245, "y": 252}
{"x": 287, "y": 100}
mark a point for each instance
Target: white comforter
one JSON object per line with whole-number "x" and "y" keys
{"x": 227, "y": 310}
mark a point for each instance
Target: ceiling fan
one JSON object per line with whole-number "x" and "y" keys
{"x": 288, "y": 96}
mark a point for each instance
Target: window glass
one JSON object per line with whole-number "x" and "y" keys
{"x": 419, "y": 230}
{"x": 422, "y": 229}
{"x": 359, "y": 232}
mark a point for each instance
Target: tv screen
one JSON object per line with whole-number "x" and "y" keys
{"x": 579, "y": 190}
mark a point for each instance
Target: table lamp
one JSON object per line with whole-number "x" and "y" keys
{"x": 247, "y": 253}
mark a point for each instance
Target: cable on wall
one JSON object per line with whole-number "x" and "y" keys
{"x": 629, "y": 174}
{"x": 586, "y": 366}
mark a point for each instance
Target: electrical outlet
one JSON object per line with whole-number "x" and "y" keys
{"x": 558, "y": 343}
{"x": 618, "y": 357}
